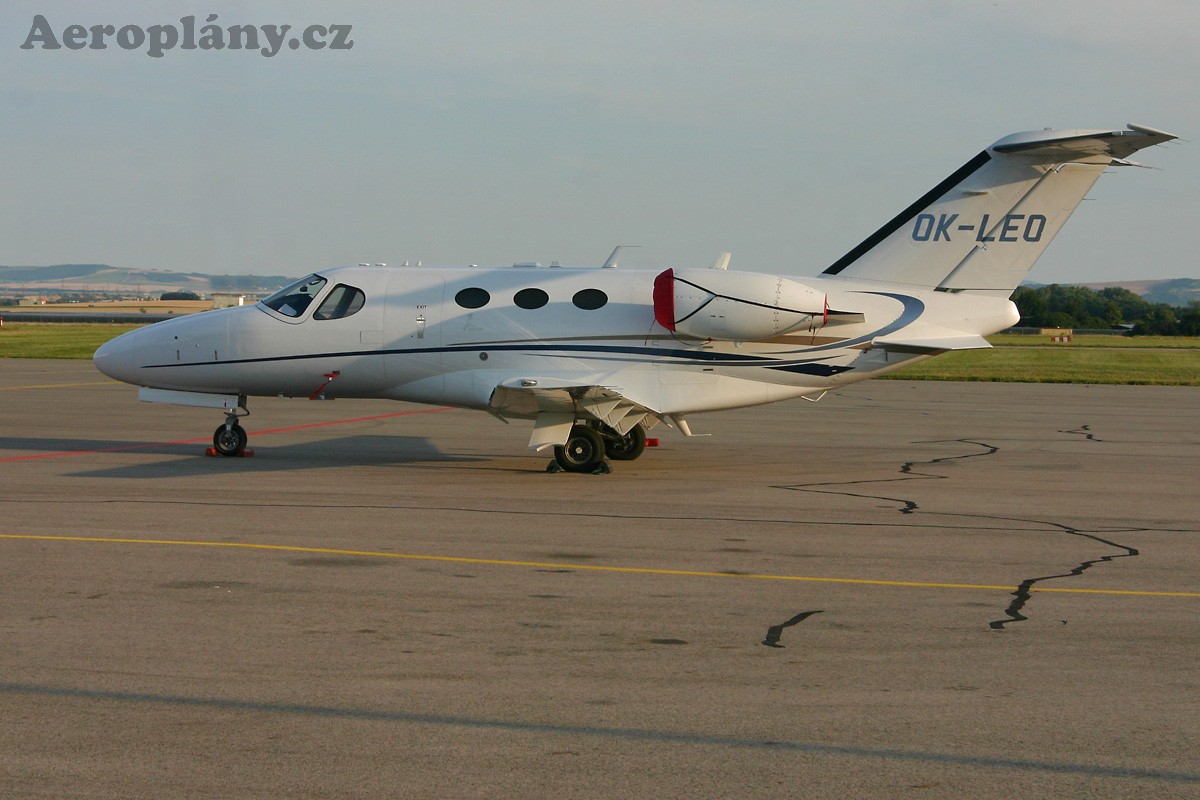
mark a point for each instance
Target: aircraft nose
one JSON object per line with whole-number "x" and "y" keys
{"x": 116, "y": 358}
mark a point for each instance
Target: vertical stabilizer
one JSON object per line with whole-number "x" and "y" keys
{"x": 983, "y": 227}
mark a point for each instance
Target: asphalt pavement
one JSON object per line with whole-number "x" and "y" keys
{"x": 908, "y": 589}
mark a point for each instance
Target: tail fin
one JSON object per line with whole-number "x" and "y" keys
{"x": 982, "y": 228}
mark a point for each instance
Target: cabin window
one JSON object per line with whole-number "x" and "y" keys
{"x": 531, "y": 298}
{"x": 590, "y": 299}
{"x": 294, "y": 299}
{"x": 342, "y": 302}
{"x": 474, "y": 297}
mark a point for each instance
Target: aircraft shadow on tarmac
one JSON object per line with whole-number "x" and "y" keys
{"x": 332, "y": 452}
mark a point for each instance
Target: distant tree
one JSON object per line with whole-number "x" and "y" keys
{"x": 1158, "y": 321}
{"x": 1189, "y": 319}
{"x": 183, "y": 295}
{"x": 1132, "y": 306}
{"x": 1031, "y": 304}
{"x": 1083, "y": 307}
{"x": 1057, "y": 306}
{"x": 1061, "y": 319}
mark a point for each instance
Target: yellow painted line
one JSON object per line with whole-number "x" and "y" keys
{"x": 55, "y": 385}
{"x": 495, "y": 562}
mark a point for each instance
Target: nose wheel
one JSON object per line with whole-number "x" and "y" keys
{"x": 230, "y": 438}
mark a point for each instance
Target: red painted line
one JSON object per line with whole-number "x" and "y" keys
{"x": 123, "y": 448}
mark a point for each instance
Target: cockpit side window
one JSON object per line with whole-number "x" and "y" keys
{"x": 294, "y": 299}
{"x": 342, "y": 302}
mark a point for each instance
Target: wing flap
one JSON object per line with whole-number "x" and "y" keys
{"x": 555, "y": 404}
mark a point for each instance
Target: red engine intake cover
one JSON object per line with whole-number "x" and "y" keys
{"x": 664, "y": 299}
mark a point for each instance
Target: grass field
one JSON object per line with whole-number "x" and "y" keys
{"x": 1161, "y": 360}
{"x": 1025, "y": 358}
{"x": 55, "y": 340}
{"x": 1063, "y": 364}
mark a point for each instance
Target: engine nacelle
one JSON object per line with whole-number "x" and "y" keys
{"x": 734, "y": 306}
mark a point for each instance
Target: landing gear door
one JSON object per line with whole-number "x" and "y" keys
{"x": 413, "y": 327}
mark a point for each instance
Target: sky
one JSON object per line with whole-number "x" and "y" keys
{"x": 489, "y": 133}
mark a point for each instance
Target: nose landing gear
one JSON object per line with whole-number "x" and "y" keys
{"x": 230, "y": 439}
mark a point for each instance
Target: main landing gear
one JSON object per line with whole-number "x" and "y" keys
{"x": 588, "y": 445}
{"x": 624, "y": 448}
{"x": 230, "y": 439}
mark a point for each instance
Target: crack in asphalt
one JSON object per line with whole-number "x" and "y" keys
{"x": 1085, "y": 431}
{"x": 1024, "y": 591}
{"x": 775, "y": 632}
{"x": 907, "y": 469}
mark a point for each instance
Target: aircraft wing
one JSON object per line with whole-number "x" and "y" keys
{"x": 555, "y": 404}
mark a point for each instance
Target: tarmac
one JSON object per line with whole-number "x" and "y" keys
{"x": 908, "y": 589}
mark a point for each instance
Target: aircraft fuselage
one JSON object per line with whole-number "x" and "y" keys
{"x": 411, "y": 340}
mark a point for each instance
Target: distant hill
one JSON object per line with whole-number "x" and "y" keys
{"x": 106, "y": 278}
{"x": 54, "y": 273}
{"x": 1172, "y": 291}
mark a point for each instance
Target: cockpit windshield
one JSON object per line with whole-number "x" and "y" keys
{"x": 293, "y": 299}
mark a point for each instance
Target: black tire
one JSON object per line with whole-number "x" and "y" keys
{"x": 230, "y": 441}
{"x": 627, "y": 447}
{"x": 583, "y": 451}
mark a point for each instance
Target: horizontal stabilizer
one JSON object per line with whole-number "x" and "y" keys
{"x": 1078, "y": 144}
{"x": 934, "y": 345}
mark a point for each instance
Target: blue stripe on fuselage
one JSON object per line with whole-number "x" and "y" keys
{"x": 912, "y": 309}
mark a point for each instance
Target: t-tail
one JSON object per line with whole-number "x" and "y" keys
{"x": 982, "y": 228}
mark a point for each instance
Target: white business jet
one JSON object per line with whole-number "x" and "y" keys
{"x": 596, "y": 357}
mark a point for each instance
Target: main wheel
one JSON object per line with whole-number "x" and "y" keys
{"x": 229, "y": 441}
{"x": 627, "y": 447}
{"x": 583, "y": 451}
